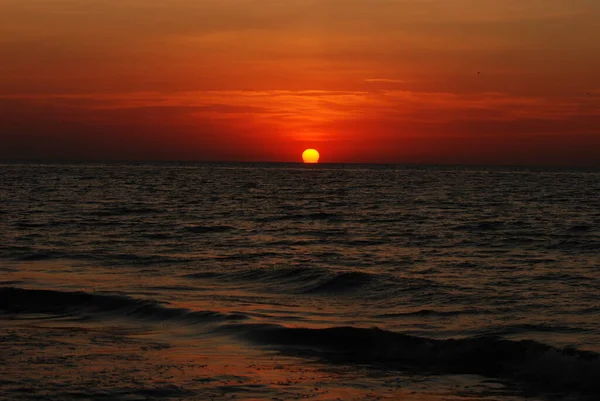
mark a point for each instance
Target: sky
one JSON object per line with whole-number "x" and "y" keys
{"x": 377, "y": 81}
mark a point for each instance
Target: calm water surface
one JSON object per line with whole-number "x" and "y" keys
{"x": 262, "y": 282}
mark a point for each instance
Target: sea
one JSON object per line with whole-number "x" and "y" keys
{"x": 248, "y": 281}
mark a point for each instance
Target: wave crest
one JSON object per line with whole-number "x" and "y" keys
{"x": 19, "y": 301}
{"x": 530, "y": 362}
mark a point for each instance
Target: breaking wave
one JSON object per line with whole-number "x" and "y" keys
{"x": 531, "y": 363}
{"x": 19, "y": 301}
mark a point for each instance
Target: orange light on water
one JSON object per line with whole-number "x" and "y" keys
{"x": 310, "y": 156}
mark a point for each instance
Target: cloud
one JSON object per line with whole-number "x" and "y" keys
{"x": 297, "y": 108}
{"x": 386, "y": 81}
{"x": 264, "y": 125}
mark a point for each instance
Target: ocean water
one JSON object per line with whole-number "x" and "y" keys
{"x": 284, "y": 281}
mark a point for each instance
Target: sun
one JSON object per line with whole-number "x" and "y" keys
{"x": 310, "y": 156}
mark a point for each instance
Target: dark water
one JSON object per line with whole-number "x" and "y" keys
{"x": 285, "y": 282}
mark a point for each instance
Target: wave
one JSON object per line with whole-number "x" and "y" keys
{"x": 299, "y": 280}
{"x": 208, "y": 229}
{"x": 435, "y": 313}
{"x": 124, "y": 211}
{"x": 576, "y": 244}
{"x": 528, "y": 362}
{"x": 19, "y": 301}
{"x": 264, "y": 275}
{"x": 26, "y": 225}
{"x": 480, "y": 226}
{"x": 529, "y": 328}
{"x": 307, "y": 216}
{"x": 37, "y": 256}
{"x": 342, "y": 282}
{"x": 581, "y": 228}
{"x": 108, "y": 258}
{"x": 317, "y": 281}
{"x": 560, "y": 277}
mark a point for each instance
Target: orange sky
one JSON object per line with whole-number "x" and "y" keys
{"x": 248, "y": 80}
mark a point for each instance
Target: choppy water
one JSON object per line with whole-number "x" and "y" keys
{"x": 285, "y": 281}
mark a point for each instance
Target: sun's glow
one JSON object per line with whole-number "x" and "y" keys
{"x": 310, "y": 156}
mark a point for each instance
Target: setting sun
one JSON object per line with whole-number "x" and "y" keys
{"x": 310, "y": 156}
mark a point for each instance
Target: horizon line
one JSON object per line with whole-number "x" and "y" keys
{"x": 299, "y": 163}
